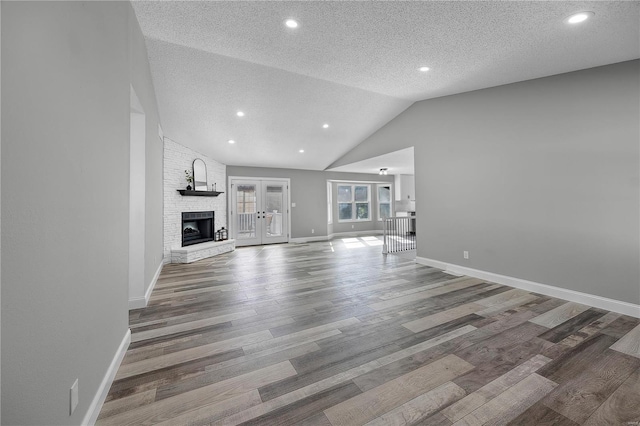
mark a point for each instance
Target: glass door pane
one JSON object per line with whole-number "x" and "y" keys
{"x": 274, "y": 212}
{"x": 246, "y": 211}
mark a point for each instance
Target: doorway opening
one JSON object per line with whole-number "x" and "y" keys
{"x": 137, "y": 168}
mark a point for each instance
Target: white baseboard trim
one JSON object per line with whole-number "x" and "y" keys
{"x": 300, "y": 240}
{"x": 432, "y": 263}
{"x": 330, "y": 237}
{"x": 355, "y": 234}
{"x": 613, "y": 305}
{"x": 141, "y": 302}
{"x": 152, "y": 285}
{"x": 98, "y": 400}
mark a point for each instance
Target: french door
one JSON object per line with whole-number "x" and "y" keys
{"x": 259, "y": 211}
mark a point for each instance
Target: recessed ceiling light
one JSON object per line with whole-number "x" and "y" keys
{"x": 232, "y": 141}
{"x": 301, "y": 151}
{"x": 291, "y": 23}
{"x": 579, "y": 17}
{"x": 424, "y": 69}
{"x": 325, "y": 126}
{"x": 240, "y": 114}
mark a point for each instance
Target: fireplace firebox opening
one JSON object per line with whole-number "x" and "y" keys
{"x": 197, "y": 227}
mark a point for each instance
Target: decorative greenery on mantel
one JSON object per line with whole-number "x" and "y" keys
{"x": 188, "y": 177}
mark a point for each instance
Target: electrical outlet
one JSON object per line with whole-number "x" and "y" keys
{"x": 353, "y": 226}
{"x": 465, "y": 254}
{"x": 73, "y": 397}
{"x": 313, "y": 231}
{"x": 293, "y": 204}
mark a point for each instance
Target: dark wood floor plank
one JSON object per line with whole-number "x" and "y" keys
{"x": 213, "y": 335}
{"x": 511, "y": 403}
{"x": 436, "y": 420}
{"x": 573, "y": 362}
{"x": 541, "y": 415}
{"x": 296, "y": 382}
{"x": 394, "y": 393}
{"x": 622, "y": 407}
{"x": 162, "y": 376}
{"x": 621, "y": 326}
{"x": 415, "y": 338}
{"x": 337, "y": 352}
{"x": 208, "y": 376}
{"x": 567, "y": 328}
{"x": 501, "y": 363}
{"x": 580, "y": 335}
{"x": 488, "y": 349}
{"x": 314, "y": 320}
{"x": 581, "y": 395}
{"x": 298, "y": 412}
{"x": 407, "y": 364}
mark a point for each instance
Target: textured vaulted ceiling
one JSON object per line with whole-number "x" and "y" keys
{"x": 352, "y": 65}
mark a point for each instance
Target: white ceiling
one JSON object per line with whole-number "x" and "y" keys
{"x": 352, "y": 65}
{"x": 397, "y": 163}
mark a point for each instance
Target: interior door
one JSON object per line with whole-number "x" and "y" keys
{"x": 259, "y": 211}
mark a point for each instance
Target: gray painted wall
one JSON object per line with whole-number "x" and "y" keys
{"x": 538, "y": 180}
{"x": 0, "y": 207}
{"x": 309, "y": 192}
{"x": 66, "y": 73}
{"x": 140, "y": 75}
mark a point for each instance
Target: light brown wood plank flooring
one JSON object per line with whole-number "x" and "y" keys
{"x": 335, "y": 333}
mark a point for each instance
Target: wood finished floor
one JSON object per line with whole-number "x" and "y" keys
{"x": 335, "y": 333}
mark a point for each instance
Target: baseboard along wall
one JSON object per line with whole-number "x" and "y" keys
{"x": 141, "y": 302}
{"x": 335, "y": 235}
{"x": 546, "y": 289}
{"x": 101, "y": 394}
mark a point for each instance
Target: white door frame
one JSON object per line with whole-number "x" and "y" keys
{"x": 231, "y": 221}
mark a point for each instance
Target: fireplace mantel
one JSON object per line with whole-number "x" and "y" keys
{"x": 199, "y": 193}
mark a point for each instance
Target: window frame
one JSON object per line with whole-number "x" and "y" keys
{"x": 354, "y": 203}
{"x": 329, "y": 203}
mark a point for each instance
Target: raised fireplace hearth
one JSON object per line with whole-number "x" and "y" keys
{"x": 197, "y": 227}
{"x": 201, "y": 251}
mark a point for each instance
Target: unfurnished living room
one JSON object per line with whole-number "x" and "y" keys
{"x": 320, "y": 213}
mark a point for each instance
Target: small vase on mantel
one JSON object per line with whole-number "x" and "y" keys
{"x": 188, "y": 187}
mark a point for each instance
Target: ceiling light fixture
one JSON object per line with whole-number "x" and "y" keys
{"x": 325, "y": 126}
{"x": 232, "y": 141}
{"x": 301, "y": 151}
{"x": 383, "y": 171}
{"x": 424, "y": 69}
{"x": 240, "y": 114}
{"x": 291, "y": 23}
{"x": 576, "y": 18}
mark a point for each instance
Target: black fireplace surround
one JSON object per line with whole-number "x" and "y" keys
{"x": 197, "y": 227}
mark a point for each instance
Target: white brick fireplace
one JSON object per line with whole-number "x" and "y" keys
{"x": 177, "y": 159}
